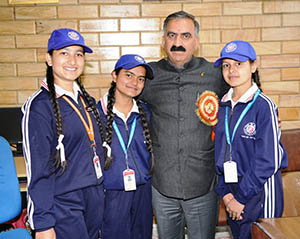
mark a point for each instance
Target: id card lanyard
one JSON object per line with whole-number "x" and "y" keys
{"x": 90, "y": 131}
{"x": 122, "y": 143}
{"x": 128, "y": 174}
{"x": 230, "y": 168}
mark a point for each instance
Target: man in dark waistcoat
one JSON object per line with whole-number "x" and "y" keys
{"x": 183, "y": 100}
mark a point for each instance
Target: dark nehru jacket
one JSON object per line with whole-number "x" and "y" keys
{"x": 183, "y": 149}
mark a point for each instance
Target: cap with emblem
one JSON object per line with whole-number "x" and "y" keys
{"x": 131, "y": 60}
{"x": 64, "y": 37}
{"x": 237, "y": 50}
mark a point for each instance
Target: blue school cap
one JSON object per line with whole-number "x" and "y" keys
{"x": 63, "y": 37}
{"x": 237, "y": 50}
{"x": 129, "y": 61}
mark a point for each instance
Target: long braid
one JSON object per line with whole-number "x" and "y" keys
{"x": 91, "y": 106}
{"x": 110, "y": 118}
{"x": 57, "y": 114}
{"x": 145, "y": 125}
{"x": 255, "y": 77}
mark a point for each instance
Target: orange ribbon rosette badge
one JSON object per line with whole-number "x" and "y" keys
{"x": 207, "y": 109}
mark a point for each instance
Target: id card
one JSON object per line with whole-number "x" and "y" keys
{"x": 230, "y": 172}
{"x": 97, "y": 166}
{"x": 129, "y": 180}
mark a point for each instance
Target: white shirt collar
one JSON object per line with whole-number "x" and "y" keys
{"x": 134, "y": 108}
{"x": 60, "y": 91}
{"x": 247, "y": 96}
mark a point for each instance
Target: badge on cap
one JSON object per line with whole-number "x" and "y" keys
{"x": 139, "y": 59}
{"x": 231, "y": 47}
{"x": 73, "y": 36}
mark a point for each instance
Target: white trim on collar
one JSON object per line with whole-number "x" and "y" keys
{"x": 60, "y": 91}
{"x": 245, "y": 97}
{"x": 134, "y": 108}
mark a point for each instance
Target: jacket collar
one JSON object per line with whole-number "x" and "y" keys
{"x": 104, "y": 100}
{"x": 248, "y": 96}
{"x": 186, "y": 65}
{"x": 60, "y": 91}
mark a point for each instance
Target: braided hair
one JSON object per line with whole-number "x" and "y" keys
{"x": 57, "y": 114}
{"x": 91, "y": 107}
{"x": 255, "y": 77}
{"x": 110, "y": 118}
{"x": 145, "y": 125}
{"x": 57, "y": 164}
{"x": 109, "y": 121}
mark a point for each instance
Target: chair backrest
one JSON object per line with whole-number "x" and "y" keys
{"x": 291, "y": 189}
{"x": 291, "y": 141}
{"x": 10, "y": 197}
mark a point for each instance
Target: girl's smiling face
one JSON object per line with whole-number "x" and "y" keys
{"x": 238, "y": 74}
{"x": 67, "y": 64}
{"x": 129, "y": 83}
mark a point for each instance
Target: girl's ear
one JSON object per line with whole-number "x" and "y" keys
{"x": 48, "y": 59}
{"x": 114, "y": 76}
{"x": 254, "y": 66}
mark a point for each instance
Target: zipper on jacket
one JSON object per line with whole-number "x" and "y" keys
{"x": 133, "y": 159}
{"x": 226, "y": 148}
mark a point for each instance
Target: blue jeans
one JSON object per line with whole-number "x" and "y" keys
{"x": 198, "y": 214}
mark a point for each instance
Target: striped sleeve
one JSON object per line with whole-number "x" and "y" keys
{"x": 37, "y": 144}
{"x": 268, "y": 153}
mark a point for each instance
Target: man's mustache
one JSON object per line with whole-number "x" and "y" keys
{"x": 177, "y": 48}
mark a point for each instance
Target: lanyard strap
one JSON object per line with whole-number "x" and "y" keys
{"x": 239, "y": 120}
{"x": 121, "y": 139}
{"x": 89, "y": 128}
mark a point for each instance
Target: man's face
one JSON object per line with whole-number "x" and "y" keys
{"x": 180, "y": 41}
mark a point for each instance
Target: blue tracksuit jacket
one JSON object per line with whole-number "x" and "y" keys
{"x": 138, "y": 155}
{"x": 256, "y": 149}
{"x": 39, "y": 146}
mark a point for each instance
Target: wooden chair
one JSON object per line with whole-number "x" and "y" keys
{"x": 291, "y": 188}
{"x": 291, "y": 175}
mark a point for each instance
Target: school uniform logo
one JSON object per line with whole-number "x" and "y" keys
{"x": 250, "y": 129}
{"x": 73, "y": 36}
{"x": 231, "y": 47}
{"x": 139, "y": 59}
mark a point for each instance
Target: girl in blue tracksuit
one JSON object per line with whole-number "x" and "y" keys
{"x": 128, "y": 200}
{"x": 248, "y": 152}
{"x": 63, "y": 147}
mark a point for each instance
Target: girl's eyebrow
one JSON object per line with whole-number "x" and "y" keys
{"x": 135, "y": 74}
{"x": 70, "y": 49}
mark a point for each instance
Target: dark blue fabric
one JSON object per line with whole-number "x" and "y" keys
{"x": 258, "y": 156}
{"x": 39, "y": 146}
{"x": 254, "y": 209}
{"x": 128, "y": 215}
{"x": 79, "y": 214}
{"x": 138, "y": 154}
